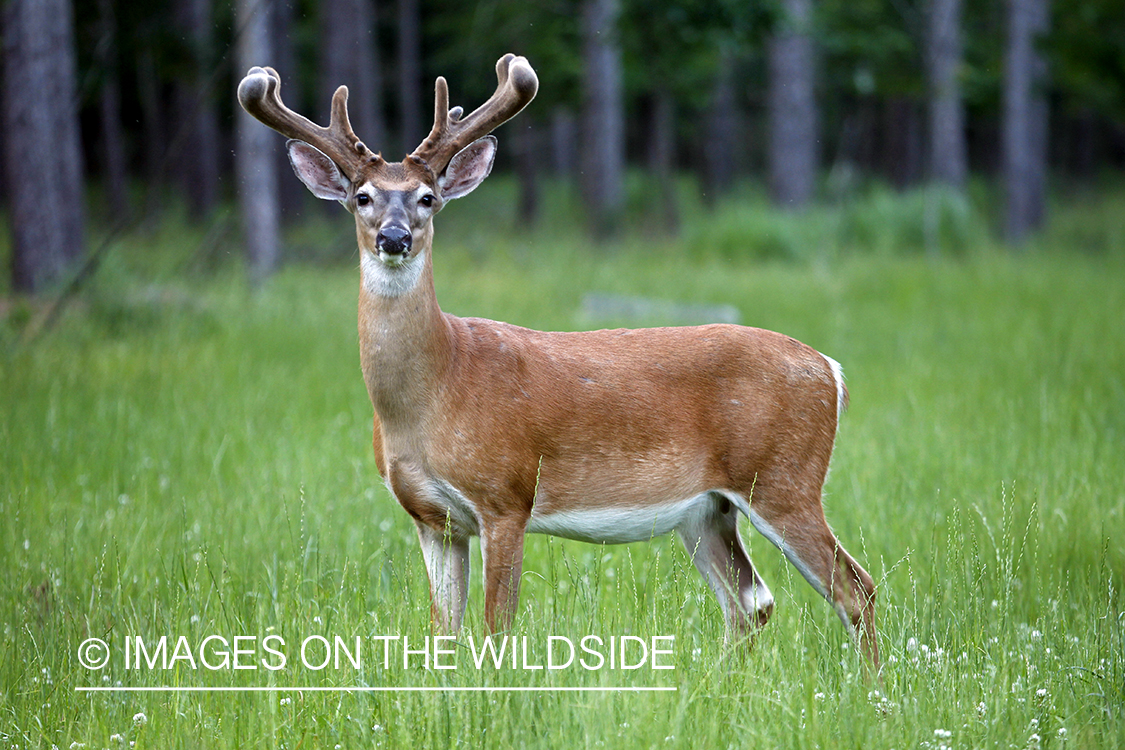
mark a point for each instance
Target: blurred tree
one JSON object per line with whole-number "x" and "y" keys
{"x": 43, "y": 151}
{"x": 873, "y": 86}
{"x": 792, "y": 110}
{"x": 154, "y": 136}
{"x": 1025, "y": 119}
{"x": 197, "y": 136}
{"x": 1086, "y": 47}
{"x": 672, "y": 53}
{"x": 255, "y": 160}
{"x": 413, "y": 126}
{"x": 948, "y": 156}
{"x": 547, "y": 34}
{"x": 602, "y": 146}
{"x": 721, "y": 133}
{"x": 109, "y": 113}
{"x": 292, "y": 196}
{"x": 349, "y": 57}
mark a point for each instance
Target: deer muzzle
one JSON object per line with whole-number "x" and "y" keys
{"x": 393, "y": 240}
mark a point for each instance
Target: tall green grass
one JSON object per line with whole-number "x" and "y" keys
{"x": 181, "y": 456}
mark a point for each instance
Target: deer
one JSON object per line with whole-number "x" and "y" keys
{"x": 486, "y": 429}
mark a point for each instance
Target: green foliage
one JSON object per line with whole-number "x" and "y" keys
{"x": 872, "y": 47}
{"x": 1087, "y": 49}
{"x": 183, "y": 456}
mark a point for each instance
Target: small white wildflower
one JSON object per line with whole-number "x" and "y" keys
{"x": 140, "y": 719}
{"x": 912, "y": 644}
{"x": 1034, "y": 723}
{"x": 995, "y": 604}
{"x": 318, "y": 621}
{"x": 117, "y": 738}
{"x": 981, "y": 708}
{"x": 195, "y": 619}
{"x": 377, "y": 728}
{"x": 943, "y": 734}
{"x": 1062, "y": 732}
{"x": 1036, "y": 635}
{"x": 76, "y": 744}
{"x": 1041, "y": 693}
{"x": 818, "y": 697}
{"x": 285, "y": 701}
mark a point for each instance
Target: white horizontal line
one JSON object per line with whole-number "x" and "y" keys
{"x": 328, "y": 689}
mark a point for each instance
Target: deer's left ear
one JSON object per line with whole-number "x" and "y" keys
{"x": 468, "y": 168}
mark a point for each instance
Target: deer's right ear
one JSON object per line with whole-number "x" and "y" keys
{"x": 319, "y": 173}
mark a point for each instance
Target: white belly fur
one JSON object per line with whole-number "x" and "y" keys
{"x": 618, "y": 525}
{"x": 602, "y": 525}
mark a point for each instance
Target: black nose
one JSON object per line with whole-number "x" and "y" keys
{"x": 393, "y": 240}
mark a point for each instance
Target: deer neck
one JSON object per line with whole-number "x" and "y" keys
{"x": 405, "y": 340}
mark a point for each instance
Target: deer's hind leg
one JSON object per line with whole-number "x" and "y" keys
{"x": 712, "y": 541}
{"x": 793, "y": 520}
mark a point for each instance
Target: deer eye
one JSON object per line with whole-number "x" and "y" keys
{"x": 427, "y": 200}
{"x": 362, "y": 199}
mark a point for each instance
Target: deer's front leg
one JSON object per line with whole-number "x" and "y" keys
{"x": 447, "y": 563}
{"x": 502, "y": 552}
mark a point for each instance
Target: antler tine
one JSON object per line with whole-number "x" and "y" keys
{"x": 259, "y": 94}
{"x": 516, "y": 86}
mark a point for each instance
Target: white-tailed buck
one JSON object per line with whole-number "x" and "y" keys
{"x": 491, "y": 430}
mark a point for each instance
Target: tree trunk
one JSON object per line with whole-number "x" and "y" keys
{"x": 109, "y": 115}
{"x": 255, "y": 158}
{"x": 564, "y": 143}
{"x": 902, "y": 142}
{"x": 720, "y": 142}
{"x": 292, "y": 196}
{"x": 348, "y": 57}
{"x": 1025, "y": 119}
{"x": 43, "y": 149}
{"x": 411, "y": 122}
{"x": 948, "y": 150}
{"x": 662, "y": 157}
{"x": 152, "y": 130}
{"x": 791, "y": 101}
{"x": 196, "y": 113}
{"x": 528, "y": 154}
{"x": 603, "y": 121}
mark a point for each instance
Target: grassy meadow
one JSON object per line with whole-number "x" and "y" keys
{"x": 183, "y": 456}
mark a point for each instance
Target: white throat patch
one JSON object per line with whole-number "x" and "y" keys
{"x": 385, "y": 279}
